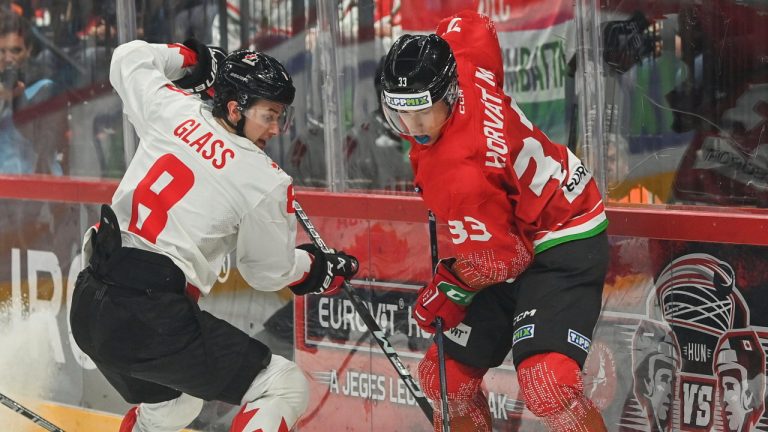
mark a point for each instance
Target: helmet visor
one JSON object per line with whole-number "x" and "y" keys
{"x": 268, "y": 117}
{"x": 415, "y": 114}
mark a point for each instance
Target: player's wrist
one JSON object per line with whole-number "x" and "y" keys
{"x": 451, "y": 285}
{"x": 456, "y": 294}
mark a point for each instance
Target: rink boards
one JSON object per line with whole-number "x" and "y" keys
{"x": 353, "y": 385}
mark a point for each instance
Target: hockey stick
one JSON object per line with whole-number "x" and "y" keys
{"x": 433, "y": 239}
{"x": 370, "y": 322}
{"x": 446, "y": 421}
{"x": 15, "y": 406}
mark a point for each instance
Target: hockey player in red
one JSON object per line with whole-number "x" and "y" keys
{"x": 199, "y": 187}
{"x": 526, "y": 219}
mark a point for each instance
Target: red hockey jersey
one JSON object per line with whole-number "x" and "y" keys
{"x": 505, "y": 190}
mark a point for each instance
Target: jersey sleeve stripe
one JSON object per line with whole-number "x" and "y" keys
{"x": 591, "y": 228}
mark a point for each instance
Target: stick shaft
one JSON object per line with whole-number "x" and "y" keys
{"x": 26, "y": 412}
{"x": 440, "y": 342}
{"x": 439, "y": 337}
{"x": 433, "y": 239}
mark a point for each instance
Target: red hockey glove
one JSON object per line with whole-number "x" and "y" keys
{"x": 202, "y": 75}
{"x": 328, "y": 271}
{"x": 446, "y": 297}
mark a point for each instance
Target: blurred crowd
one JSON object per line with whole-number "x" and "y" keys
{"x": 682, "y": 118}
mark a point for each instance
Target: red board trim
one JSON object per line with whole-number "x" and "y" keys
{"x": 706, "y": 224}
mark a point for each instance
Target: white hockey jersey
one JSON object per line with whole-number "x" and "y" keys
{"x": 195, "y": 191}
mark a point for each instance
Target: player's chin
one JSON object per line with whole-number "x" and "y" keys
{"x": 261, "y": 144}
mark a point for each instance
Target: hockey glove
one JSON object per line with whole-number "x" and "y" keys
{"x": 201, "y": 76}
{"x": 328, "y": 271}
{"x": 446, "y": 297}
{"x": 627, "y": 42}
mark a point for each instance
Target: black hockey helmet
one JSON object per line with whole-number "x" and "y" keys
{"x": 247, "y": 76}
{"x": 418, "y": 72}
{"x": 378, "y": 77}
{"x": 416, "y": 64}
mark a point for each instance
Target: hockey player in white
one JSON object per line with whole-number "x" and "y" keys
{"x": 199, "y": 187}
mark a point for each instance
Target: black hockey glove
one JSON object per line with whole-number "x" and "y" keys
{"x": 328, "y": 271}
{"x": 203, "y": 73}
{"x": 627, "y": 42}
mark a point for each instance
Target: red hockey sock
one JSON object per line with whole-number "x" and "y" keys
{"x": 467, "y": 404}
{"x": 553, "y": 391}
{"x": 129, "y": 420}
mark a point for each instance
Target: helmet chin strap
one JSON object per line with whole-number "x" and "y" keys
{"x": 239, "y": 127}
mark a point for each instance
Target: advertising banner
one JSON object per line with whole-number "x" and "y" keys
{"x": 680, "y": 346}
{"x": 697, "y": 335}
{"x": 353, "y": 383}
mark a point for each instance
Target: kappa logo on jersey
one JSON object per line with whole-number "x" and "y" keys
{"x": 524, "y": 332}
{"x": 578, "y": 339}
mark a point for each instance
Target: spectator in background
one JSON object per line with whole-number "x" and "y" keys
{"x": 36, "y": 130}
{"x": 16, "y": 48}
{"x": 307, "y": 156}
{"x": 378, "y": 157}
{"x": 76, "y": 37}
{"x": 268, "y": 22}
{"x": 16, "y": 156}
{"x": 194, "y": 19}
